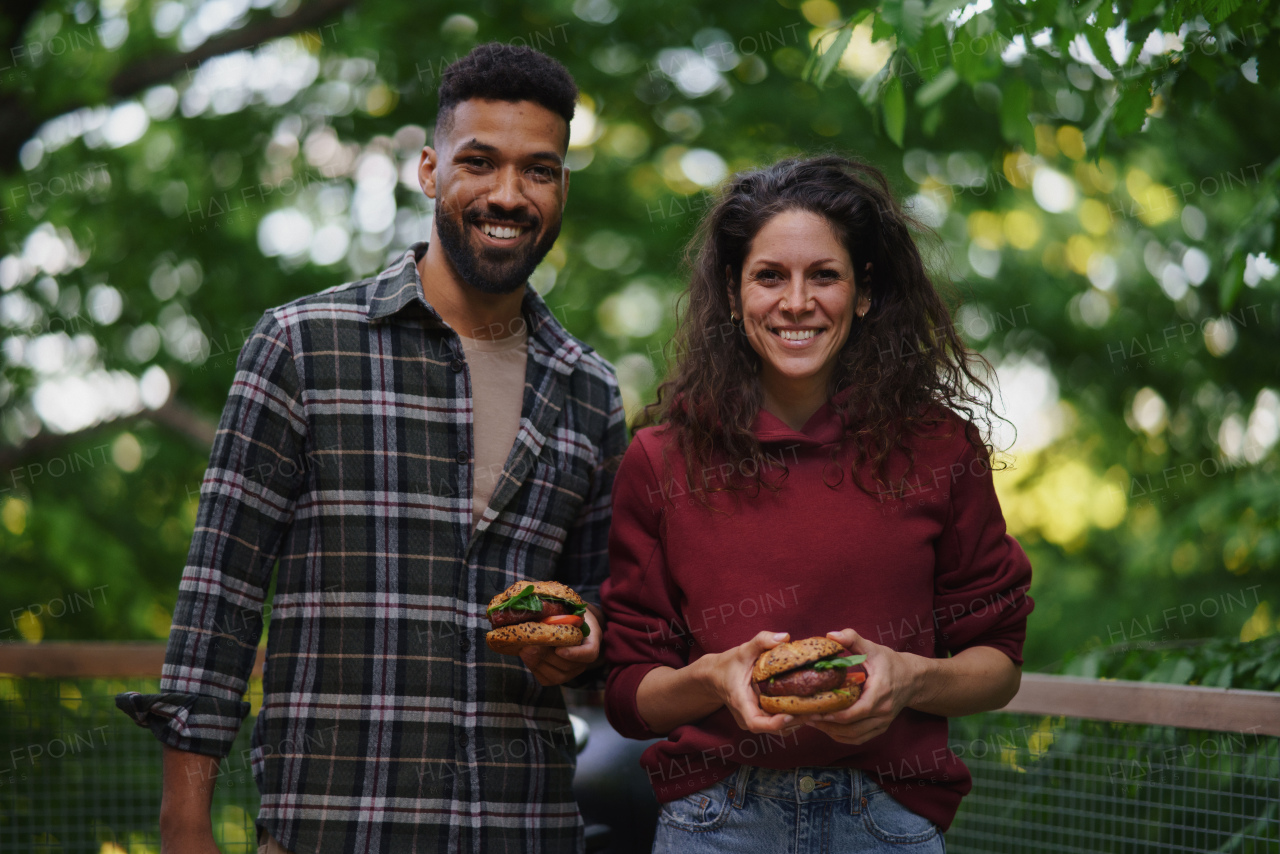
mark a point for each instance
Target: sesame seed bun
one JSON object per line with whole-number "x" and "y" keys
{"x": 509, "y": 639}
{"x": 554, "y": 589}
{"x": 793, "y": 654}
{"x": 819, "y": 704}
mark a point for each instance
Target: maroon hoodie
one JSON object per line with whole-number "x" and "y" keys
{"x": 931, "y": 572}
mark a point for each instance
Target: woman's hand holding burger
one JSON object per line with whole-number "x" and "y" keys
{"x": 893, "y": 680}
{"x": 731, "y": 681}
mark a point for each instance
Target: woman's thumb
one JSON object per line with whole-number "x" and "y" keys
{"x": 768, "y": 640}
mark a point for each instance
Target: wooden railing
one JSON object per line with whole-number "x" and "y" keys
{"x": 1182, "y": 706}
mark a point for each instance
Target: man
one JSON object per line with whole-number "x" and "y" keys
{"x": 406, "y": 446}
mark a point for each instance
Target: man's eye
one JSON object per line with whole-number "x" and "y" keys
{"x": 477, "y": 162}
{"x": 543, "y": 172}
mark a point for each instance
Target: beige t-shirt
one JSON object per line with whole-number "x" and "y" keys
{"x": 497, "y": 397}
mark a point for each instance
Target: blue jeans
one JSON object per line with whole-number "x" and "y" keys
{"x": 798, "y": 811}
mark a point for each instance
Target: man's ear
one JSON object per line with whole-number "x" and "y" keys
{"x": 427, "y": 171}
{"x": 564, "y": 191}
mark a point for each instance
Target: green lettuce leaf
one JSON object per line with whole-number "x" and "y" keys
{"x": 527, "y": 600}
{"x": 847, "y": 661}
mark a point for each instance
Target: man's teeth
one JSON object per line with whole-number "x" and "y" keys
{"x": 803, "y": 335}
{"x": 501, "y": 231}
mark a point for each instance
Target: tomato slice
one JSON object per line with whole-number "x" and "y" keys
{"x": 855, "y": 678}
{"x": 564, "y": 620}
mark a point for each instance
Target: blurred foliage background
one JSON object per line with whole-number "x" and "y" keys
{"x": 1103, "y": 177}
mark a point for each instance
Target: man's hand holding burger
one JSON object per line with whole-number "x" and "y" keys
{"x": 555, "y": 665}
{"x": 553, "y": 631}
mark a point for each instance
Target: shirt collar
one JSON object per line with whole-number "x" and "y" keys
{"x": 398, "y": 289}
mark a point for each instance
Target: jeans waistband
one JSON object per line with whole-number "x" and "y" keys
{"x": 803, "y": 785}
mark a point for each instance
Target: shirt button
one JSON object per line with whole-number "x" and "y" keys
{"x": 456, "y": 364}
{"x": 463, "y": 456}
{"x": 465, "y": 643}
{"x": 462, "y": 739}
{"x": 806, "y": 784}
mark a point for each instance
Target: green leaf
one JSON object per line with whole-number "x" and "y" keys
{"x": 830, "y": 58}
{"x": 939, "y": 10}
{"x": 1232, "y": 282}
{"x": 881, "y": 29}
{"x": 1141, "y": 9}
{"x": 937, "y": 88}
{"x": 1097, "y": 38}
{"x": 1171, "y": 670}
{"x": 872, "y": 90}
{"x": 1220, "y": 677}
{"x": 1131, "y": 108}
{"x": 525, "y": 600}
{"x": 975, "y": 52}
{"x": 906, "y": 17}
{"x": 1183, "y": 669}
{"x": 832, "y": 663}
{"x": 1015, "y": 106}
{"x": 1219, "y": 11}
{"x": 894, "y": 107}
{"x": 932, "y": 55}
{"x": 1095, "y": 136}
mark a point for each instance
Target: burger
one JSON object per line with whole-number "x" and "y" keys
{"x": 807, "y": 677}
{"x": 536, "y": 613}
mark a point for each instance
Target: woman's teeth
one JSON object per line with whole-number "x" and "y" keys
{"x": 802, "y": 335}
{"x": 501, "y": 231}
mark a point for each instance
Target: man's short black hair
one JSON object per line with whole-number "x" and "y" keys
{"x": 502, "y": 72}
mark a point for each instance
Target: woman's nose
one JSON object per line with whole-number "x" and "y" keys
{"x": 796, "y": 296}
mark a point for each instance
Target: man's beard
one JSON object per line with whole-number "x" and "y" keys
{"x": 491, "y": 270}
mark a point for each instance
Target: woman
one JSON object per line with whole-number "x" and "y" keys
{"x": 816, "y": 467}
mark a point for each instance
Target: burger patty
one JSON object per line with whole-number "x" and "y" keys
{"x": 803, "y": 682}
{"x": 509, "y": 617}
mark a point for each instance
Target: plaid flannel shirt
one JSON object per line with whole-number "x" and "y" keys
{"x": 345, "y": 453}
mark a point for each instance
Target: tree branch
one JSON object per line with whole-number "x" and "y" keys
{"x": 18, "y": 124}
{"x": 157, "y": 69}
{"x": 177, "y": 416}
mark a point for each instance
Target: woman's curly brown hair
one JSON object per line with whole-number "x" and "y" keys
{"x": 902, "y": 370}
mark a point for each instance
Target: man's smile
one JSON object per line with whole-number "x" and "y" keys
{"x": 500, "y": 233}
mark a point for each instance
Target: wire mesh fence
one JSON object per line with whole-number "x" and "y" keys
{"x": 77, "y": 776}
{"x": 1046, "y": 784}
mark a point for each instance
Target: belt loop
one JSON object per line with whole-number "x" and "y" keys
{"x": 740, "y": 785}
{"x": 855, "y": 791}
